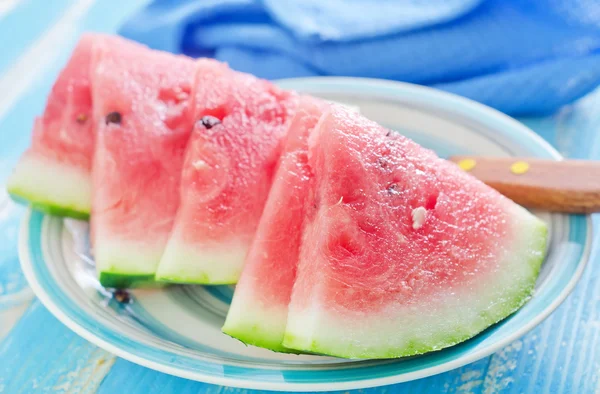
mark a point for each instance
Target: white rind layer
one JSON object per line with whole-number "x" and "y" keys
{"x": 127, "y": 258}
{"x": 52, "y": 186}
{"x": 256, "y": 323}
{"x": 213, "y": 264}
{"x": 447, "y": 317}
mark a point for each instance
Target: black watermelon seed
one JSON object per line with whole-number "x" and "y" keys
{"x": 388, "y": 133}
{"x": 209, "y": 121}
{"x": 81, "y": 118}
{"x": 122, "y": 296}
{"x": 383, "y": 163}
{"x": 113, "y": 117}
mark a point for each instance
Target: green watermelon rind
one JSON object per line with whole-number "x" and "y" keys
{"x": 257, "y": 323}
{"x": 519, "y": 297}
{"x": 119, "y": 280}
{"x": 51, "y": 187}
{"x": 44, "y": 206}
{"x": 183, "y": 263}
{"x": 416, "y": 348}
{"x": 255, "y": 336}
{"x": 124, "y": 263}
{"x": 194, "y": 280}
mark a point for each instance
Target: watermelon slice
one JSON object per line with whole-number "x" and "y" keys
{"x": 258, "y": 312}
{"x": 53, "y": 175}
{"x": 228, "y": 171}
{"x": 403, "y": 253}
{"x": 141, "y": 103}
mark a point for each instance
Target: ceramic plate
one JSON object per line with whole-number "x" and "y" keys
{"x": 177, "y": 329}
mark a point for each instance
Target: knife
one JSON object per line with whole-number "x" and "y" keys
{"x": 560, "y": 186}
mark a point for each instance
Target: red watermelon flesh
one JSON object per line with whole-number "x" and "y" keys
{"x": 229, "y": 166}
{"x": 403, "y": 252}
{"x": 258, "y": 312}
{"x": 53, "y": 175}
{"x": 141, "y": 104}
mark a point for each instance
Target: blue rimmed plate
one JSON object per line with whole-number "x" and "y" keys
{"x": 177, "y": 329}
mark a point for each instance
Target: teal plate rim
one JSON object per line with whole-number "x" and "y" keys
{"x": 356, "y": 375}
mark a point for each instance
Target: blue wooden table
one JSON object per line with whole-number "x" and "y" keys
{"x": 39, "y": 354}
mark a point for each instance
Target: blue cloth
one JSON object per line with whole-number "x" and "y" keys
{"x": 519, "y": 56}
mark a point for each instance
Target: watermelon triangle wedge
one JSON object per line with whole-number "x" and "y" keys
{"x": 258, "y": 311}
{"x": 143, "y": 123}
{"x": 53, "y": 175}
{"x": 241, "y": 122}
{"x": 401, "y": 252}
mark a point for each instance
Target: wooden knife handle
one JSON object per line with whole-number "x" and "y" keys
{"x": 561, "y": 186}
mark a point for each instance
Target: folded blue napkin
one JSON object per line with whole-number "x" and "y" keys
{"x": 519, "y": 56}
